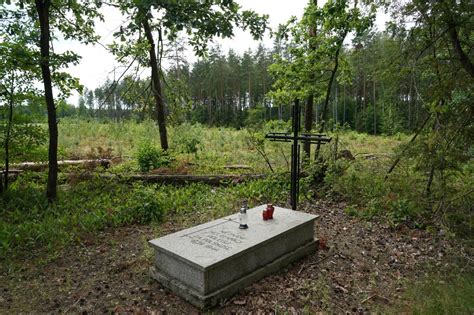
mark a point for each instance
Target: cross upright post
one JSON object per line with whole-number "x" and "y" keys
{"x": 295, "y": 156}
{"x": 295, "y": 148}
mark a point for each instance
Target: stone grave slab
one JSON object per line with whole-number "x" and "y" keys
{"x": 212, "y": 261}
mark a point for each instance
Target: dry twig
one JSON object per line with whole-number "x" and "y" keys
{"x": 316, "y": 263}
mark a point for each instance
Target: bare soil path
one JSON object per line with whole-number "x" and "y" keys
{"x": 360, "y": 267}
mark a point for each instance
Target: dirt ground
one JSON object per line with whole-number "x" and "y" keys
{"x": 360, "y": 267}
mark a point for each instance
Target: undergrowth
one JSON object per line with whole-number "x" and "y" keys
{"x": 30, "y": 225}
{"x": 401, "y": 197}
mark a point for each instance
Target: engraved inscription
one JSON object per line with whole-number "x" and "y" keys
{"x": 216, "y": 240}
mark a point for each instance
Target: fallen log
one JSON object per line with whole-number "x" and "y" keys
{"x": 238, "y": 166}
{"x": 373, "y": 156}
{"x": 176, "y": 179}
{"x": 39, "y": 166}
{"x": 11, "y": 171}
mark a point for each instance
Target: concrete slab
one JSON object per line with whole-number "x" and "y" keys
{"x": 214, "y": 260}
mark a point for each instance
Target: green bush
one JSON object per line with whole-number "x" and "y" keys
{"x": 150, "y": 157}
{"x": 187, "y": 138}
{"x": 399, "y": 198}
{"x": 26, "y": 141}
{"x": 143, "y": 207}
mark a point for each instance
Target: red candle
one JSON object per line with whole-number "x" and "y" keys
{"x": 270, "y": 210}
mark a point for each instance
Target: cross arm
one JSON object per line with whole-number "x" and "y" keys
{"x": 307, "y": 137}
{"x": 279, "y": 136}
{"x": 314, "y": 138}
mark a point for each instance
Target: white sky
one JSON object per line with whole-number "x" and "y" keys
{"x": 97, "y": 64}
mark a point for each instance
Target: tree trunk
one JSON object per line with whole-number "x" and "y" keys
{"x": 344, "y": 112}
{"x": 435, "y": 130}
{"x": 335, "y": 106}
{"x": 156, "y": 86}
{"x": 179, "y": 179}
{"x": 308, "y": 115}
{"x": 463, "y": 57}
{"x": 250, "y": 91}
{"x": 42, "y": 8}
{"x": 410, "y": 100}
{"x": 364, "y": 98}
{"x": 308, "y": 123}
{"x": 209, "y": 112}
{"x": 375, "y": 108}
{"x": 430, "y": 181}
{"x": 4, "y": 186}
{"x": 316, "y": 115}
{"x": 39, "y": 166}
{"x": 328, "y": 93}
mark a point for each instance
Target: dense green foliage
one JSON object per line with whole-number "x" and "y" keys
{"x": 150, "y": 157}
{"x": 401, "y": 198}
{"x": 27, "y": 140}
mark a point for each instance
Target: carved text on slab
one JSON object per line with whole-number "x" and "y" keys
{"x": 216, "y": 240}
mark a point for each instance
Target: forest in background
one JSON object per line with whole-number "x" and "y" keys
{"x": 378, "y": 93}
{"x": 377, "y": 83}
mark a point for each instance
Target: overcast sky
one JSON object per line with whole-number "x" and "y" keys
{"x": 97, "y": 64}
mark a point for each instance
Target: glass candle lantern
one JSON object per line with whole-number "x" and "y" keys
{"x": 243, "y": 218}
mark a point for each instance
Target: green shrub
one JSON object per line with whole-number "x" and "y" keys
{"x": 399, "y": 198}
{"x": 26, "y": 141}
{"x": 277, "y": 126}
{"x": 187, "y": 138}
{"x": 351, "y": 210}
{"x": 150, "y": 157}
{"x": 191, "y": 145}
{"x": 143, "y": 206}
{"x": 401, "y": 211}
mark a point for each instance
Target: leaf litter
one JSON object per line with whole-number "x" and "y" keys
{"x": 359, "y": 267}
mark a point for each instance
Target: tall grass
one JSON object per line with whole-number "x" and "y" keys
{"x": 215, "y": 147}
{"x": 209, "y": 150}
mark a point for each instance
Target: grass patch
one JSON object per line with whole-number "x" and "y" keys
{"x": 451, "y": 292}
{"x": 207, "y": 149}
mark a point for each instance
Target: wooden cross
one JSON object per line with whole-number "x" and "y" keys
{"x": 295, "y": 148}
